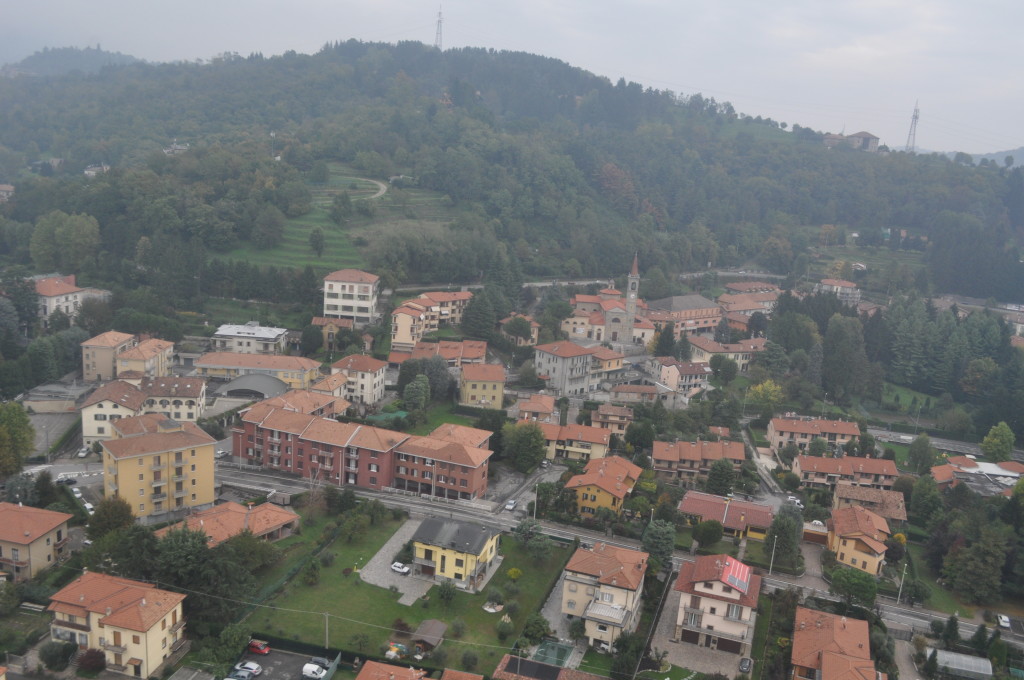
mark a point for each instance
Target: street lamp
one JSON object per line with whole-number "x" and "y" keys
{"x": 775, "y": 544}
{"x": 902, "y": 579}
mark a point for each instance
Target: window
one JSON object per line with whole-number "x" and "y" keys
{"x": 373, "y": 481}
{"x": 142, "y": 492}
{"x": 712, "y": 610}
{"x": 606, "y": 597}
{"x": 735, "y": 611}
{"x": 100, "y": 416}
{"x": 135, "y": 639}
{"x": 571, "y": 604}
{"x": 602, "y": 628}
{"x": 572, "y": 588}
{"x": 142, "y": 507}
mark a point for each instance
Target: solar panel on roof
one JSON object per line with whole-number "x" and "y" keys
{"x": 737, "y": 583}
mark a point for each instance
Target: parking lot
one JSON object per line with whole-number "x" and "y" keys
{"x": 279, "y": 664}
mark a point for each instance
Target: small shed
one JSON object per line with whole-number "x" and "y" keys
{"x": 954, "y": 665}
{"x": 429, "y": 635}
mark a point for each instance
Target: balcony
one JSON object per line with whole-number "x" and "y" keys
{"x": 181, "y": 493}
{"x": 157, "y": 497}
{"x": 116, "y": 649}
{"x": 159, "y": 482}
{"x": 84, "y": 627}
{"x": 120, "y": 668}
{"x": 157, "y": 466}
{"x": 424, "y": 562}
{"x": 178, "y": 626}
{"x": 179, "y": 644}
{"x": 13, "y": 562}
{"x": 179, "y": 478}
{"x": 112, "y": 470}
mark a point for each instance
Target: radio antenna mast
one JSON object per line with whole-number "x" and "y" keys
{"x": 437, "y": 36}
{"x": 912, "y": 136}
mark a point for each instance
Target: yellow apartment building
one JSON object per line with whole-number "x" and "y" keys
{"x": 605, "y": 483}
{"x": 483, "y": 385}
{"x": 99, "y": 354}
{"x": 151, "y": 358}
{"x": 857, "y": 536}
{"x": 159, "y": 466}
{"x": 299, "y": 373}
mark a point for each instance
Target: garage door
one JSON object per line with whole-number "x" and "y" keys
{"x": 690, "y": 636}
{"x": 733, "y": 646}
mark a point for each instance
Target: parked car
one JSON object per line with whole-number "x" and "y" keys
{"x": 745, "y": 665}
{"x": 1004, "y": 620}
{"x": 241, "y": 675}
{"x": 70, "y": 481}
{"x": 313, "y": 672}
{"x": 89, "y": 508}
{"x": 83, "y": 452}
{"x": 511, "y": 504}
{"x": 220, "y": 453}
{"x": 545, "y": 463}
{"x": 400, "y": 568}
{"x": 76, "y": 492}
{"x": 250, "y": 666}
{"x": 321, "y": 661}
{"x": 259, "y": 647}
{"x": 817, "y": 523}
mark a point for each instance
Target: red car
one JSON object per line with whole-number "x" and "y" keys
{"x": 259, "y": 647}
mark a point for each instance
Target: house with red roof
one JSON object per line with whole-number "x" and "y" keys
{"x": 575, "y": 442}
{"x": 138, "y": 626}
{"x": 31, "y": 539}
{"x": 831, "y": 647}
{"x": 61, "y": 293}
{"x": 703, "y": 348}
{"x": 802, "y": 431}
{"x": 857, "y": 536}
{"x": 266, "y": 521}
{"x": 482, "y": 385}
{"x": 717, "y": 605}
{"x": 99, "y": 354}
{"x": 604, "y": 585}
{"x": 425, "y": 314}
{"x": 815, "y": 472}
{"x": 688, "y": 463}
{"x": 739, "y": 518}
{"x": 604, "y": 483}
{"x": 846, "y": 291}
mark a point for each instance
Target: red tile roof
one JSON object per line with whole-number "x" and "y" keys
{"x": 120, "y": 602}
{"x": 352, "y": 276}
{"x": 147, "y": 349}
{"x": 858, "y": 522}
{"x": 189, "y": 436}
{"x": 274, "y": 362}
{"x": 563, "y": 349}
{"x": 443, "y": 449}
{"x": 119, "y": 392}
{"x": 731, "y": 513}
{"x": 719, "y": 568}
{"x": 613, "y": 566}
{"x": 612, "y": 474}
{"x": 108, "y": 339}
{"x": 22, "y": 524}
{"x": 483, "y": 372}
{"x": 52, "y": 286}
{"x": 697, "y": 451}
{"x": 461, "y": 434}
{"x": 847, "y": 465}
{"x": 227, "y": 520}
{"x": 360, "y": 363}
{"x": 817, "y": 427}
{"x": 374, "y": 670}
{"x": 838, "y": 646}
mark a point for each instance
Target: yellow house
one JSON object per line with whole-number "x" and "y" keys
{"x": 605, "y": 483}
{"x": 482, "y": 385}
{"x": 151, "y": 358}
{"x": 296, "y": 372}
{"x": 857, "y": 536}
{"x": 136, "y": 625}
{"x": 604, "y": 586}
{"x": 31, "y": 539}
{"x": 454, "y": 551}
{"x": 574, "y": 442}
{"x": 159, "y": 466}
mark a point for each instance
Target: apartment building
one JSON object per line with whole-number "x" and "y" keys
{"x": 688, "y": 463}
{"x": 99, "y": 354}
{"x": 31, "y": 540}
{"x": 802, "y": 431}
{"x": 604, "y": 586}
{"x": 181, "y": 399}
{"x": 458, "y": 552}
{"x": 604, "y": 483}
{"x": 151, "y": 358}
{"x": 352, "y": 294}
{"x": 249, "y": 338}
{"x": 574, "y": 442}
{"x": 365, "y": 378}
{"x": 61, "y": 293}
{"x": 613, "y": 418}
{"x": 482, "y": 385}
{"x": 817, "y": 472}
{"x": 704, "y": 348}
{"x": 296, "y": 372}
{"x": 717, "y": 604}
{"x": 831, "y": 647}
{"x": 857, "y": 536}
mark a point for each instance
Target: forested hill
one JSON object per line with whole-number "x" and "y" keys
{"x": 560, "y": 165}
{"x": 62, "y": 60}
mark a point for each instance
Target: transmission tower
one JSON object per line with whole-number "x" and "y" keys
{"x": 912, "y": 137}
{"x": 437, "y": 36}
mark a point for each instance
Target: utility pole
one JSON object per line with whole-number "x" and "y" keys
{"x": 775, "y": 544}
{"x": 902, "y": 579}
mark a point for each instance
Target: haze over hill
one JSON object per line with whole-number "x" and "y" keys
{"x": 829, "y": 66}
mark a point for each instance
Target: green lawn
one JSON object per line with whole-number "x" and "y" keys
{"x": 438, "y": 415}
{"x": 940, "y": 598}
{"x": 596, "y": 663}
{"x": 356, "y": 607}
{"x": 759, "y": 554}
{"x": 684, "y": 538}
{"x": 757, "y": 646}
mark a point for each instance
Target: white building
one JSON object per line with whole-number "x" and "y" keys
{"x": 249, "y": 338}
{"x": 352, "y": 294}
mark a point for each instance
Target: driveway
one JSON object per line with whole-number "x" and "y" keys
{"x": 377, "y": 571}
{"x": 685, "y": 654}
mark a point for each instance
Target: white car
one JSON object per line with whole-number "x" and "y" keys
{"x": 511, "y": 504}
{"x": 250, "y": 666}
{"x": 76, "y": 492}
{"x": 313, "y": 672}
{"x": 1004, "y": 620}
{"x": 220, "y": 453}
{"x": 83, "y": 452}
{"x": 400, "y": 568}
{"x": 89, "y": 508}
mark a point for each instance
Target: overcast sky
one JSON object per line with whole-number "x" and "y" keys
{"x": 832, "y": 65}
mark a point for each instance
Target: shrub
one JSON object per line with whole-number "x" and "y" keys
{"x": 327, "y": 558}
{"x": 469, "y": 659}
{"x": 514, "y": 574}
{"x": 512, "y": 607}
{"x": 495, "y": 595}
{"x": 92, "y": 660}
{"x": 56, "y": 655}
{"x": 458, "y": 628}
{"x": 510, "y": 589}
{"x": 504, "y": 628}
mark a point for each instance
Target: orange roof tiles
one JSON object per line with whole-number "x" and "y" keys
{"x": 52, "y": 286}
{"x": 108, "y": 339}
{"x": 147, "y": 349}
{"x": 564, "y": 349}
{"x": 538, "y": 403}
{"x": 731, "y": 513}
{"x": 614, "y": 566}
{"x": 450, "y": 674}
{"x": 374, "y": 670}
{"x": 440, "y": 296}
{"x": 579, "y": 433}
{"x": 120, "y": 602}
{"x": 441, "y": 449}
{"x": 352, "y": 276}
{"x": 698, "y": 451}
{"x": 817, "y": 427}
{"x": 858, "y": 522}
{"x": 847, "y": 465}
{"x": 148, "y": 422}
{"x": 360, "y": 363}
{"x": 820, "y": 641}
{"x": 171, "y": 386}
{"x": 708, "y": 344}
{"x": 119, "y": 392}
{"x": 302, "y": 401}
{"x": 22, "y": 525}
{"x": 189, "y": 436}
{"x": 461, "y": 434}
{"x": 718, "y": 568}
{"x": 483, "y": 372}
{"x": 227, "y": 520}
{"x": 888, "y": 504}
{"x": 613, "y": 474}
